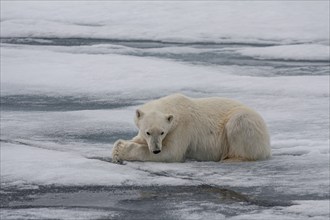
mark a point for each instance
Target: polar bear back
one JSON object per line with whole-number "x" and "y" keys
{"x": 190, "y": 110}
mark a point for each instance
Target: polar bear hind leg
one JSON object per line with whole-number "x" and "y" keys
{"x": 247, "y": 136}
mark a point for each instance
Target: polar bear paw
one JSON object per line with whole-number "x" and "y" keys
{"x": 117, "y": 151}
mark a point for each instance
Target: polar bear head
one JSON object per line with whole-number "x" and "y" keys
{"x": 153, "y": 127}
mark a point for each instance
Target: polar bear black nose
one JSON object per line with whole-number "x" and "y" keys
{"x": 156, "y": 151}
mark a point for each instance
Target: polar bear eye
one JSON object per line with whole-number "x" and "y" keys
{"x": 147, "y": 133}
{"x": 162, "y": 133}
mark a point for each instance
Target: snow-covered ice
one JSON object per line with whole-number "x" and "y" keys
{"x": 173, "y": 21}
{"x": 72, "y": 74}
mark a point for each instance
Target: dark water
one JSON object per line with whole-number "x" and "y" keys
{"x": 136, "y": 202}
{"x": 129, "y": 43}
{"x": 40, "y": 102}
{"x": 222, "y": 55}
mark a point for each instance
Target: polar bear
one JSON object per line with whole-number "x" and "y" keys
{"x": 176, "y": 127}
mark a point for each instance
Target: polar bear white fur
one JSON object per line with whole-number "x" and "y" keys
{"x": 176, "y": 127}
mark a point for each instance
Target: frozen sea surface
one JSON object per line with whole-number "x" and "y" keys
{"x": 71, "y": 80}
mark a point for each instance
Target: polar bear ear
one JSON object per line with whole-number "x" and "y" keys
{"x": 138, "y": 113}
{"x": 169, "y": 118}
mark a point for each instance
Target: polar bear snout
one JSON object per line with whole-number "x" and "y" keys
{"x": 155, "y": 144}
{"x": 156, "y": 151}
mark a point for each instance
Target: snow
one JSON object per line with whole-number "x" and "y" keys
{"x": 302, "y": 209}
{"x": 308, "y": 209}
{"x": 60, "y": 213}
{"x": 63, "y": 106}
{"x": 61, "y": 168}
{"x": 170, "y": 21}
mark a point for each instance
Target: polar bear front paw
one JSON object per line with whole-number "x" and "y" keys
{"x": 117, "y": 152}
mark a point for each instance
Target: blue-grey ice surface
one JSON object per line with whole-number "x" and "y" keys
{"x": 72, "y": 74}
